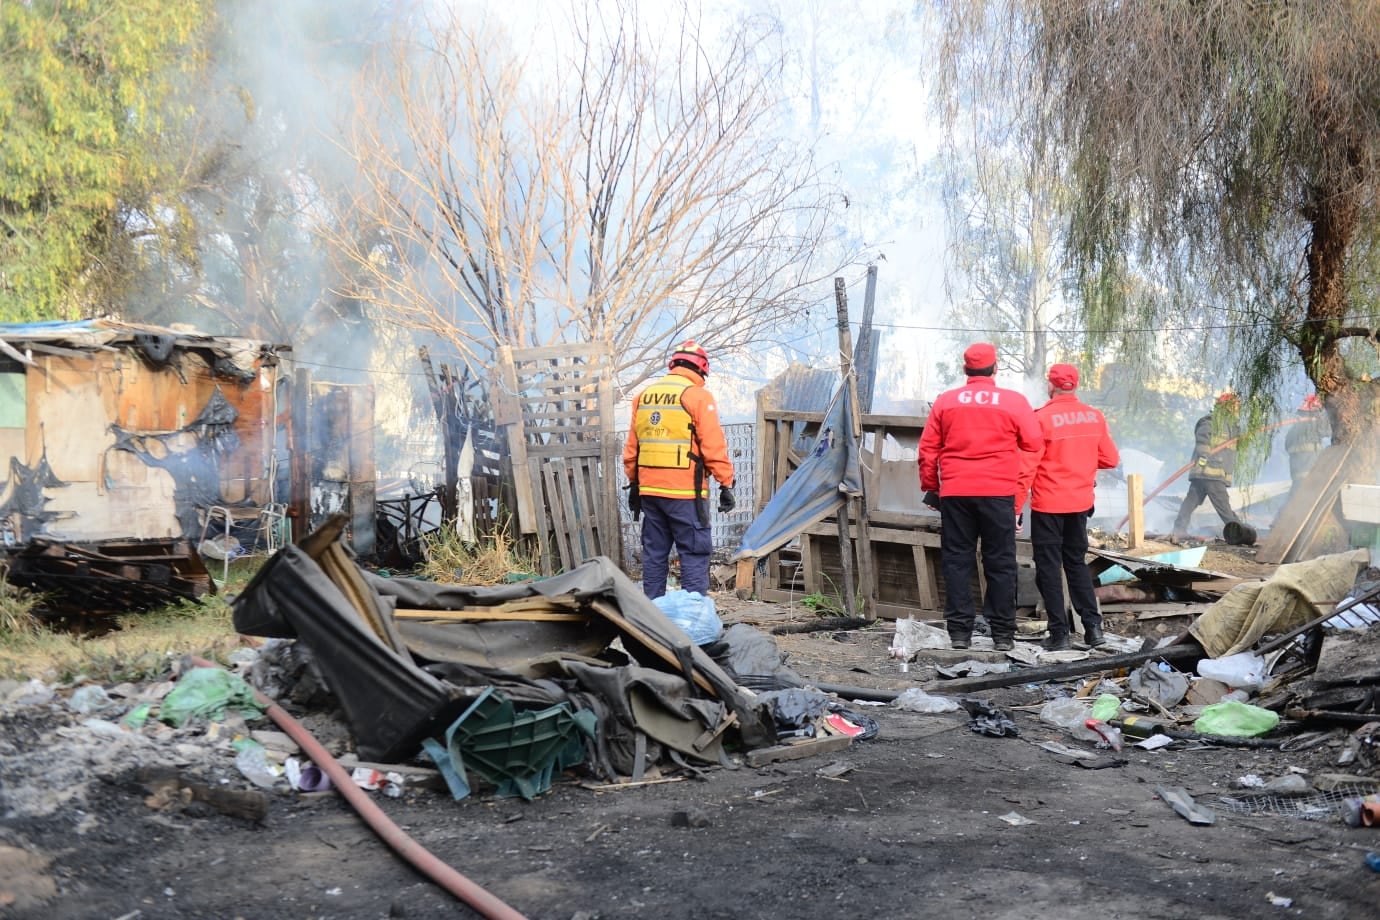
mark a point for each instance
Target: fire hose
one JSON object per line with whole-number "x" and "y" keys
{"x": 1189, "y": 465}
{"x": 426, "y": 862}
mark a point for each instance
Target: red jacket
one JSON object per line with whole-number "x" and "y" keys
{"x": 974, "y": 438}
{"x": 1060, "y": 478}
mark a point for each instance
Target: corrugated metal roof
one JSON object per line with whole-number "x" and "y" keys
{"x": 94, "y": 333}
{"x": 805, "y": 389}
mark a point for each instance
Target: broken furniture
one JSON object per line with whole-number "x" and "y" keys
{"x": 110, "y": 577}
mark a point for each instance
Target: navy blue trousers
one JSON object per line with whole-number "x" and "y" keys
{"x": 668, "y": 522}
{"x": 966, "y": 520}
{"x": 1061, "y": 551}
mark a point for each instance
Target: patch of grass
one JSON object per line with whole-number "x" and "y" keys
{"x": 491, "y": 561}
{"x": 17, "y": 618}
{"x": 822, "y": 604}
{"x": 140, "y": 646}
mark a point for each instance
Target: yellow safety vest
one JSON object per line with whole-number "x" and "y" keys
{"x": 664, "y": 436}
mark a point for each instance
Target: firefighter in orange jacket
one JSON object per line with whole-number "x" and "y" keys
{"x": 675, "y": 443}
{"x": 1061, "y": 477}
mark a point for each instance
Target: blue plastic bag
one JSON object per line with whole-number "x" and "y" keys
{"x": 694, "y": 613}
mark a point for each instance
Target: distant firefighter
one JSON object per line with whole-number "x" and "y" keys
{"x": 1213, "y": 465}
{"x": 1304, "y": 438}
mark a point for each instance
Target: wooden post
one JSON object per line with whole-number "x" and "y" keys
{"x": 439, "y": 405}
{"x": 866, "y": 363}
{"x": 1135, "y": 510}
{"x": 850, "y": 383}
{"x": 299, "y": 450}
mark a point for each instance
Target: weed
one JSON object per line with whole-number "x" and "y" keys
{"x": 17, "y": 618}
{"x": 822, "y": 604}
{"x": 491, "y": 561}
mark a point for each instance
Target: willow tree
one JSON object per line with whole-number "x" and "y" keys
{"x": 620, "y": 181}
{"x": 84, "y": 176}
{"x": 1231, "y": 148}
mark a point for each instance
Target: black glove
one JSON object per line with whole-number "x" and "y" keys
{"x": 726, "y": 500}
{"x": 634, "y": 500}
{"x": 932, "y": 499}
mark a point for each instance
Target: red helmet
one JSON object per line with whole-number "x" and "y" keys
{"x": 691, "y": 354}
{"x": 1311, "y": 403}
{"x": 1227, "y": 398}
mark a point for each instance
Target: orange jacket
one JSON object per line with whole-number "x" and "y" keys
{"x": 707, "y": 442}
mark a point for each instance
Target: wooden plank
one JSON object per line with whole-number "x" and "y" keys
{"x": 1135, "y": 509}
{"x": 924, "y": 579}
{"x": 1183, "y": 653}
{"x": 584, "y": 475}
{"x": 611, "y": 458}
{"x": 523, "y": 482}
{"x": 809, "y": 564}
{"x": 490, "y": 613}
{"x": 809, "y": 747}
{"x": 557, "y": 527}
{"x": 900, "y": 422}
{"x": 782, "y": 467}
{"x": 561, "y": 352}
{"x": 615, "y": 616}
{"x": 743, "y": 578}
{"x": 1319, "y": 491}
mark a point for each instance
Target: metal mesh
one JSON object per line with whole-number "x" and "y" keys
{"x": 728, "y": 528}
{"x": 1320, "y": 806}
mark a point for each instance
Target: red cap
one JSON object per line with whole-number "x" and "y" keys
{"x": 1227, "y": 397}
{"x": 979, "y": 356}
{"x": 1064, "y": 377}
{"x": 1311, "y": 403}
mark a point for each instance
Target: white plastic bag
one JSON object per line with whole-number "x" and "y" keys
{"x": 917, "y": 700}
{"x": 912, "y": 635}
{"x": 1243, "y": 671}
{"x": 694, "y": 613}
{"x": 1071, "y": 715}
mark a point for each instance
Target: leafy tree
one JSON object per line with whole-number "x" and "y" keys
{"x": 84, "y": 175}
{"x": 1230, "y": 149}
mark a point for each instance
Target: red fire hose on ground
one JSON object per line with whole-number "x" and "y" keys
{"x": 1189, "y": 465}
{"x": 487, "y": 904}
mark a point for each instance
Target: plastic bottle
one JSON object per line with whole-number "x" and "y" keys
{"x": 252, "y": 760}
{"x": 1373, "y": 860}
{"x": 1361, "y": 811}
{"x": 1109, "y": 733}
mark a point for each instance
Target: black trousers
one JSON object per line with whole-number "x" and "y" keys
{"x": 966, "y": 521}
{"x": 1061, "y": 550}
{"x": 1199, "y": 489}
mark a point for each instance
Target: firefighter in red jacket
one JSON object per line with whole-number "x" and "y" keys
{"x": 970, "y": 455}
{"x": 674, "y": 444}
{"x": 1060, "y": 479}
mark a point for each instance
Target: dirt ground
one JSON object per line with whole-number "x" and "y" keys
{"x": 928, "y": 819}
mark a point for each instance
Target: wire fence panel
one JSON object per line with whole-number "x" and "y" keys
{"x": 728, "y": 528}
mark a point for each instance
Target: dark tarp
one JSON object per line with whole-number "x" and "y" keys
{"x": 595, "y": 580}
{"x": 814, "y": 490}
{"x": 390, "y": 703}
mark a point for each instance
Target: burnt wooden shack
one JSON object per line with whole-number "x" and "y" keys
{"x": 903, "y": 534}
{"x": 132, "y": 448}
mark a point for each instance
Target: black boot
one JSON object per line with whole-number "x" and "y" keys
{"x": 1056, "y": 643}
{"x": 1092, "y": 635}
